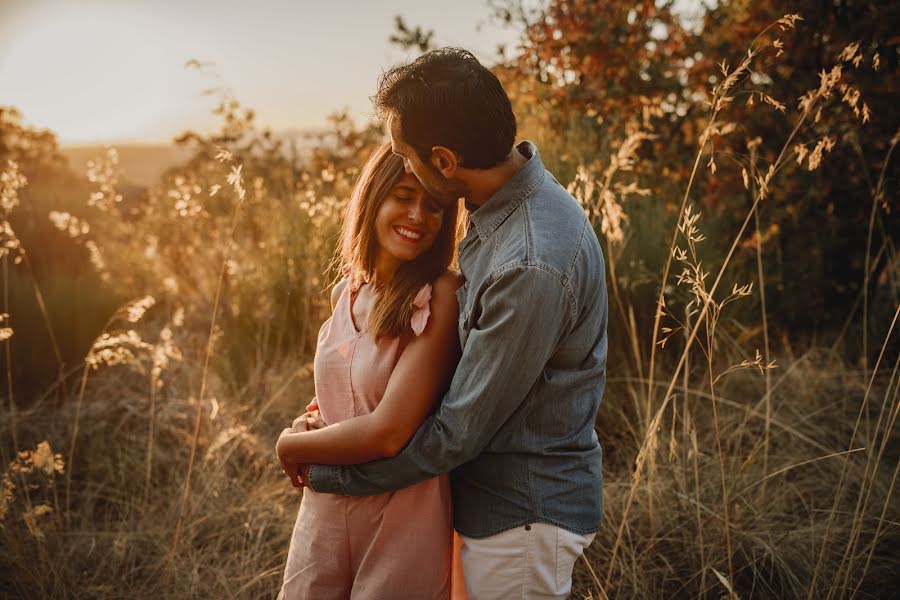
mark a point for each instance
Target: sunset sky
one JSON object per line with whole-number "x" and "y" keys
{"x": 98, "y": 71}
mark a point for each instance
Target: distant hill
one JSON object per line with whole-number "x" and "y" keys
{"x": 142, "y": 163}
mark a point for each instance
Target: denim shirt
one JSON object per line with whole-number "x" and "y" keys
{"x": 516, "y": 427}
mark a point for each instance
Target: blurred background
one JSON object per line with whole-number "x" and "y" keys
{"x": 173, "y": 180}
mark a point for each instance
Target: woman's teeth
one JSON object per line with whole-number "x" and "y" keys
{"x": 409, "y": 233}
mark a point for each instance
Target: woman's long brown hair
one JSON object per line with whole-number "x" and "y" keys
{"x": 393, "y": 307}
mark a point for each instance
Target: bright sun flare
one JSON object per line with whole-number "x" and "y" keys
{"x": 91, "y": 74}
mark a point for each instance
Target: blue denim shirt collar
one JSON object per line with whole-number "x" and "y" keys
{"x": 489, "y": 216}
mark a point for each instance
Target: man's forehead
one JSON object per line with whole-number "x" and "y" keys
{"x": 392, "y": 127}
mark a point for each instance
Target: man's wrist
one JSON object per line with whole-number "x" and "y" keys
{"x": 325, "y": 479}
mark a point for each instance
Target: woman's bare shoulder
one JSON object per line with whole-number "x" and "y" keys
{"x": 443, "y": 293}
{"x": 449, "y": 282}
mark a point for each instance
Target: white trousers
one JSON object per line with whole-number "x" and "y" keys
{"x": 533, "y": 561}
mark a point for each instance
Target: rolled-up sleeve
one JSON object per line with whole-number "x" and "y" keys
{"x": 522, "y": 315}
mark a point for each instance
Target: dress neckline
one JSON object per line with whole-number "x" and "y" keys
{"x": 351, "y": 296}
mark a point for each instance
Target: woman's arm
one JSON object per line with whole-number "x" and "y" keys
{"x": 422, "y": 374}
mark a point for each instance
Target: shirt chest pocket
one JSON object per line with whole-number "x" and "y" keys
{"x": 462, "y": 297}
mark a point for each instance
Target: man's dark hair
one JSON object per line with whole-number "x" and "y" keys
{"x": 447, "y": 98}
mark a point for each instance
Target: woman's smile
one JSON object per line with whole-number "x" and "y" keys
{"x": 408, "y": 234}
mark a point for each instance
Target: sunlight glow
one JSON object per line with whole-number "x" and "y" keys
{"x": 93, "y": 73}
{"x": 112, "y": 71}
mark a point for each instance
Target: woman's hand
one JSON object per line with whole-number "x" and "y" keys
{"x": 290, "y": 468}
{"x": 312, "y": 419}
{"x": 309, "y": 421}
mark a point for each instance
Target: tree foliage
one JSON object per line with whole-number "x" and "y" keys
{"x": 590, "y": 74}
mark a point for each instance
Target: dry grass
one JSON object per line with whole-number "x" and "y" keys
{"x": 775, "y": 536}
{"x": 117, "y": 541}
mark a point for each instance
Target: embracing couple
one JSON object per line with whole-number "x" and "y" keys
{"x": 493, "y": 376}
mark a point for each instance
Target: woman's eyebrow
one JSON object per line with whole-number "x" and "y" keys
{"x": 405, "y": 187}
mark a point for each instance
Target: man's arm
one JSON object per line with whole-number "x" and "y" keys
{"x": 524, "y": 314}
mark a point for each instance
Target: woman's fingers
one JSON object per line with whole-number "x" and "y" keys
{"x": 313, "y": 405}
{"x": 293, "y": 473}
{"x": 296, "y": 481}
{"x": 308, "y": 421}
{"x": 315, "y": 421}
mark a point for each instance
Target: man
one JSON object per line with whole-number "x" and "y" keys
{"x": 516, "y": 427}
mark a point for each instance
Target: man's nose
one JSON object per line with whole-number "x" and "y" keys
{"x": 407, "y": 167}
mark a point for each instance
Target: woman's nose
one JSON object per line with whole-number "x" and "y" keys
{"x": 416, "y": 212}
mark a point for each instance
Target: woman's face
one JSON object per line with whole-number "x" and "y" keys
{"x": 407, "y": 221}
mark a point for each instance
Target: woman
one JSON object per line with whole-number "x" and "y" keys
{"x": 383, "y": 359}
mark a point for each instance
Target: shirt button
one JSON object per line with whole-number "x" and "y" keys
{"x": 528, "y": 528}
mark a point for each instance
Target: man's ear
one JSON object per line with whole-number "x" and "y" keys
{"x": 445, "y": 160}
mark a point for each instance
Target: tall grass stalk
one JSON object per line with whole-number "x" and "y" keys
{"x": 651, "y": 367}
{"x": 690, "y": 433}
{"x": 839, "y": 491}
{"x": 870, "y": 472}
{"x": 623, "y": 160}
{"x": 42, "y": 306}
{"x": 150, "y": 431}
{"x": 711, "y": 325}
{"x": 79, "y": 400}
{"x": 236, "y": 181}
{"x": 882, "y": 518}
{"x": 9, "y": 376}
{"x": 715, "y": 105}
{"x": 695, "y": 453}
{"x": 877, "y": 195}
{"x": 594, "y": 578}
{"x": 765, "y": 320}
{"x": 648, "y": 404}
{"x": 91, "y": 361}
{"x": 649, "y": 442}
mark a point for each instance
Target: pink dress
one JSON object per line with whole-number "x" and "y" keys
{"x": 396, "y": 545}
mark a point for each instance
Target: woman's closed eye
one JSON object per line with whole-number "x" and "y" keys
{"x": 434, "y": 208}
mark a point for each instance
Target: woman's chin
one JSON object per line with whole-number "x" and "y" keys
{"x": 406, "y": 254}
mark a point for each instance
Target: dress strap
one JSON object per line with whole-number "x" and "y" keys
{"x": 354, "y": 280}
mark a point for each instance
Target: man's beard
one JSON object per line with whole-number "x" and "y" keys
{"x": 446, "y": 191}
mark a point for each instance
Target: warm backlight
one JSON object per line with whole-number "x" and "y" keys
{"x": 92, "y": 73}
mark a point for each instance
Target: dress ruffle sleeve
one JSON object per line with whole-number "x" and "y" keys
{"x": 421, "y": 309}
{"x": 352, "y": 278}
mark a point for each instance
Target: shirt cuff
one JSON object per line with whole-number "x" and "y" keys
{"x": 326, "y": 479}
